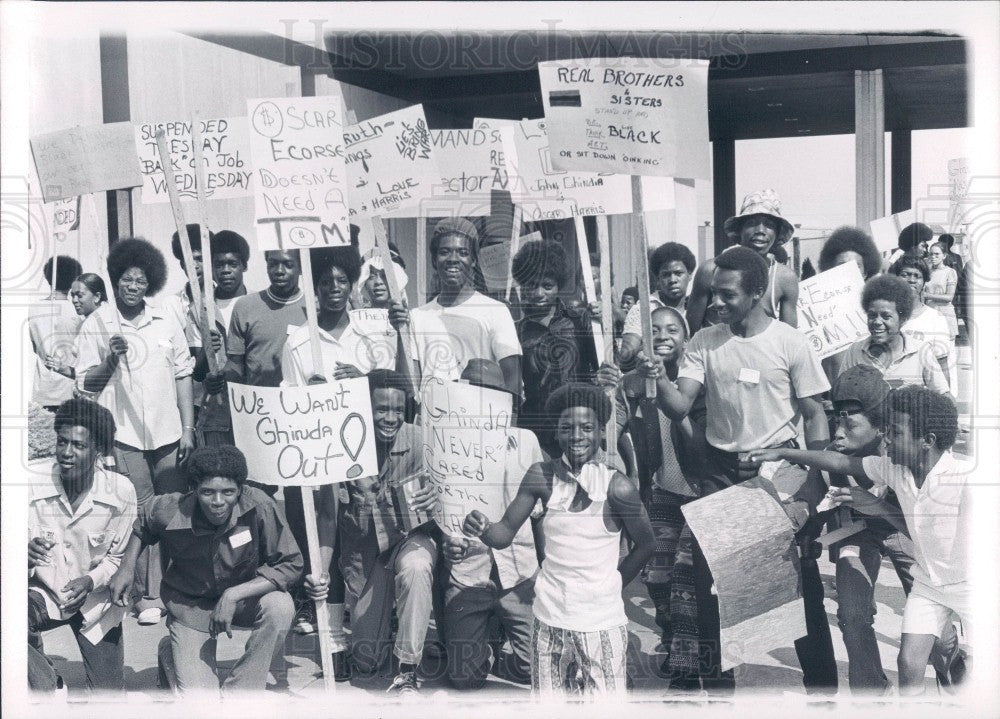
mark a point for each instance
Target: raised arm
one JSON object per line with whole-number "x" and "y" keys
{"x": 676, "y": 401}
{"x": 624, "y": 502}
{"x": 499, "y": 535}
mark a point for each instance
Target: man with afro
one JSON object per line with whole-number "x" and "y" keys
{"x": 850, "y": 244}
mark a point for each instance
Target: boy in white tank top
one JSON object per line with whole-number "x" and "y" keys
{"x": 580, "y": 621}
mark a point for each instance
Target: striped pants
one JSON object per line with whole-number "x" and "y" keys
{"x": 558, "y": 656}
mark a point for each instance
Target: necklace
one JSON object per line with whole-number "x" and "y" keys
{"x": 294, "y": 298}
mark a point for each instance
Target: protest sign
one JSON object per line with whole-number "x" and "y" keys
{"x": 297, "y": 156}
{"x": 226, "y": 159}
{"x": 86, "y": 159}
{"x": 632, "y": 116}
{"x": 498, "y": 166}
{"x": 494, "y": 261}
{"x": 885, "y": 230}
{"x": 829, "y": 309}
{"x": 755, "y": 567}
{"x": 390, "y": 164}
{"x": 465, "y": 448}
{"x": 62, "y": 216}
{"x": 545, "y": 192}
{"x": 305, "y": 436}
{"x": 463, "y": 158}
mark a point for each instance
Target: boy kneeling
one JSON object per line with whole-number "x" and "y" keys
{"x": 231, "y": 559}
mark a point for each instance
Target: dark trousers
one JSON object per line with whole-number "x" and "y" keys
{"x": 103, "y": 662}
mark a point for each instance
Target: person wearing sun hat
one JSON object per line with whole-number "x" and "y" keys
{"x": 759, "y": 226}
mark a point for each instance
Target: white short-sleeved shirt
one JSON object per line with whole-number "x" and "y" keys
{"x": 916, "y": 365}
{"x": 937, "y": 514}
{"x": 930, "y": 326}
{"x": 479, "y": 327}
{"x": 350, "y": 348}
{"x": 431, "y": 345}
{"x": 752, "y": 383}
{"x": 52, "y": 326}
{"x": 141, "y": 394}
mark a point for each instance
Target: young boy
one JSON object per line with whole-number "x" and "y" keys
{"x": 580, "y": 618}
{"x": 931, "y": 486}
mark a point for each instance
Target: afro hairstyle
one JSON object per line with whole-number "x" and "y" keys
{"x": 671, "y": 252}
{"x": 913, "y": 234}
{"x": 579, "y": 394}
{"x": 95, "y": 418}
{"x": 850, "y": 239}
{"x": 387, "y": 379}
{"x": 194, "y": 238}
{"x": 346, "y": 258}
{"x": 906, "y": 262}
{"x": 751, "y": 266}
{"x": 891, "y": 289}
{"x": 228, "y": 241}
{"x": 67, "y": 270}
{"x": 221, "y": 461}
{"x": 632, "y": 292}
{"x": 539, "y": 259}
{"x": 137, "y": 252}
{"x": 930, "y": 412}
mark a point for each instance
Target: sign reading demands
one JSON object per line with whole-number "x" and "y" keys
{"x": 465, "y": 449}
{"x": 830, "y": 311}
{"x": 633, "y": 116}
{"x": 87, "y": 159}
{"x": 299, "y": 187}
{"x": 305, "y": 436}
{"x": 225, "y": 151}
{"x": 463, "y": 157}
{"x": 391, "y": 164}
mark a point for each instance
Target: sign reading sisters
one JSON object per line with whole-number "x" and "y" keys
{"x": 829, "y": 308}
{"x": 224, "y": 150}
{"x": 297, "y": 151}
{"x": 305, "y": 436}
{"x": 465, "y": 449}
{"x": 632, "y": 116}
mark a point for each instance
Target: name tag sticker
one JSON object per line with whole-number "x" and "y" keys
{"x": 750, "y": 376}
{"x": 240, "y": 538}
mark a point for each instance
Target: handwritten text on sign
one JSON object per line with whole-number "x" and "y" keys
{"x": 465, "y": 449}
{"x": 85, "y": 159}
{"x": 305, "y": 436}
{"x": 224, "y": 150}
{"x": 633, "y": 116}
{"x": 391, "y": 164}
{"x": 547, "y": 193}
{"x": 297, "y": 149}
{"x": 830, "y": 311}
{"x": 463, "y": 157}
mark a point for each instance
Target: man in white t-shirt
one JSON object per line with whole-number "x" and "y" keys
{"x": 478, "y": 326}
{"x": 931, "y": 485}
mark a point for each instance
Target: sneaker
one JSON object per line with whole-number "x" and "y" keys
{"x": 405, "y": 684}
{"x": 305, "y": 620}
{"x": 149, "y": 617}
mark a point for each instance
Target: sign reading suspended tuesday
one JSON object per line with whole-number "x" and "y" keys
{"x": 225, "y": 151}
{"x": 305, "y": 436}
{"x": 299, "y": 186}
{"x": 632, "y": 116}
{"x": 391, "y": 164}
{"x": 829, "y": 309}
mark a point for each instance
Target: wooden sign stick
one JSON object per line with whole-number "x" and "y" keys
{"x": 406, "y": 332}
{"x": 639, "y": 231}
{"x": 103, "y": 263}
{"x": 208, "y": 316}
{"x": 607, "y": 321}
{"x": 421, "y": 260}
{"x": 515, "y": 236}
{"x": 588, "y": 283}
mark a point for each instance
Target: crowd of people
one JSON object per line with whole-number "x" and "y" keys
{"x": 148, "y": 505}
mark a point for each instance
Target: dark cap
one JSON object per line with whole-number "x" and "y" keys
{"x": 861, "y": 384}
{"x": 484, "y": 373}
{"x": 458, "y": 226}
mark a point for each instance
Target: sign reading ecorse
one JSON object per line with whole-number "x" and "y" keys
{"x": 465, "y": 449}
{"x": 632, "y": 116}
{"x": 546, "y": 193}
{"x": 391, "y": 164}
{"x": 829, "y": 309}
{"x": 463, "y": 158}
{"x": 225, "y": 150}
{"x": 305, "y": 436}
{"x": 299, "y": 185}
{"x": 86, "y": 159}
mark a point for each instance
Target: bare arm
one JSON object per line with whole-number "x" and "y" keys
{"x": 789, "y": 297}
{"x": 825, "y": 461}
{"x": 511, "y": 368}
{"x": 499, "y": 535}
{"x": 949, "y": 290}
{"x": 701, "y": 295}
{"x": 624, "y": 502}
{"x": 676, "y": 401}
{"x": 817, "y": 429}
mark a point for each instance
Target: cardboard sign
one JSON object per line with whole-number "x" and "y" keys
{"x": 463, "y": 158}
{"x": 632, "y": 116}
{"x": 465, "y": 449}
{"x": 225, "y": 150}
{"x": 299, "y": 186}
{"x": 545, "y": 192}
{"x": 498, "y": 165}
{"x": 62, "y": 216}
{"x": 305, "y": 436}
{"x": 885, "y": 230}
{"x": 829, "y": 309}
{"x": 494, "y": 261}
{"x": 755, "y": 567}
{"x": 391, "y": 164}
{"x": 87, "y": 159}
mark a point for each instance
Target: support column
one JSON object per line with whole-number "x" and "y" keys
{"x": 869, "y": 146}
{"x": 723, "y": 187}
{"x": 901, "y": 177}
{"x": 115, "y": 105}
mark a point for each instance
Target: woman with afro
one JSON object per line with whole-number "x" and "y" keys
{"x": 850, "y": 244}
{"x": 134, "y": 357}
{"x": 556, "y": 342}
